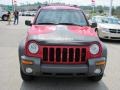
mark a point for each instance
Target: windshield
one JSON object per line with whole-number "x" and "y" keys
{"x": 67, "y": 17}
{"x": 111, "y": 20}
{"x": 97, "y": 19}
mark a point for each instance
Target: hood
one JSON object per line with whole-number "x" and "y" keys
{"x": 109, "y": 26}
{"x": 61, "y": 33}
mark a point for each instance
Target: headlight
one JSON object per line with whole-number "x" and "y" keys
{"x": 104, "y": 30}
{"x": 94, "y": 49}
{"x": 33, "y": 48}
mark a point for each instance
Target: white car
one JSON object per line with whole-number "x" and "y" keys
{"x": 108, "y": 28}
{"x": 3, "y": 14}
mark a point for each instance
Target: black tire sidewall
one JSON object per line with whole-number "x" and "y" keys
{"x": 96, "y": 78}
{"x": 3, "y": 17}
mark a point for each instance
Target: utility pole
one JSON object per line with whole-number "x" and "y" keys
{"x": 93, "y": 5}
{"x": 110, "y": 8}
{"x": 27, "y": 3}
{"x": 12, "y": 5}
{"x": 15, "y": 4}
{"x": 52, "y": 1}
{"x": 49, "y": 1}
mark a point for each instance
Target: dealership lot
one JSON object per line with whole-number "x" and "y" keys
{"x": 11, "y": 35}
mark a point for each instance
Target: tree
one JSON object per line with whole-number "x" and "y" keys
{"x": 113, "y": 11}
{"x": 8, "y": 8}
{"x": 117, "y": 11}
{"x": 100, "y": 9}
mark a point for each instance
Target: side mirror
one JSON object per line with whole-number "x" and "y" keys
{"x": 90, "y": 22}
{"x": 94, "y": 25}
{"x": 28, "y": 23}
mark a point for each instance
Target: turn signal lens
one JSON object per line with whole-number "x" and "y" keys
{"x": 101, "y": 63}
{"x": 27, "y": 62}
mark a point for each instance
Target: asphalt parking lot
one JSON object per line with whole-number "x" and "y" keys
{"x": 11, "y": 35}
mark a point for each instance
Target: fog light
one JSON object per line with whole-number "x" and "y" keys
{"x": 29, "y": 70}
{"x": 97, "y": 71}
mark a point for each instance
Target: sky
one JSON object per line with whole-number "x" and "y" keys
{"x": 77, "y": 2}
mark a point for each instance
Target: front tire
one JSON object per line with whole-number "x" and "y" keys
{"x": 25, "y": 77}
{"x": 4, "y": 17}
{"x": 96, "y": 78}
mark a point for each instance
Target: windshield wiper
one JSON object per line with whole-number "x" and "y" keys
{"x": 47, "y": 24}
{"x": 59, "y": 24}
{"x": 69, "y": 24}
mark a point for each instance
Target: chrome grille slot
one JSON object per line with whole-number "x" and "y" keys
{"x": 64, "y": 55}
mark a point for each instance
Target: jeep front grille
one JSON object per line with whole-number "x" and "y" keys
{"x": 64, "y": 55}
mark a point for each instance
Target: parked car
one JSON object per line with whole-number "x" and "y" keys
{"x": 20, "y": 13}
{"x": 29, "y": 13}
{"x": 33, "y": 13}
{"x": 60, "y": 42}
{"x": 3, "y": 14}
{"x": 97, "y": 19}
{"x": 108, "y": 28}
{"x": 26, "y": 13}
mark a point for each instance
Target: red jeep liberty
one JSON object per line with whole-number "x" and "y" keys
{"x": 60, "y": 42}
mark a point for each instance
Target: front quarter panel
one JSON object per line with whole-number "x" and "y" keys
{"x": 21, "y": 49}
{"x": 104, "y": 52}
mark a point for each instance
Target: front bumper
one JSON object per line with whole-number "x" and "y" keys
{"x": 109, "y": 35}
{"x": 39, "y": 69}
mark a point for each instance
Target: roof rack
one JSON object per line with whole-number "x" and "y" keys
{"x": 59, "y": 4}
{"x": 63, "y": 4}
{"x": 56, "y": 4}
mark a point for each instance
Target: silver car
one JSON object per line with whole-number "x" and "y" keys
{"x": 108, "y": 28}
